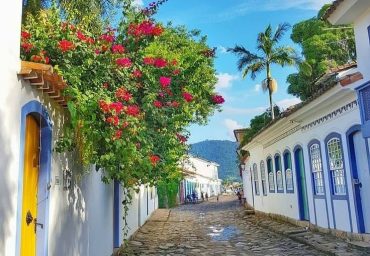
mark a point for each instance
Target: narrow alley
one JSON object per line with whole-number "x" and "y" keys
{"x": 223, "y": 228}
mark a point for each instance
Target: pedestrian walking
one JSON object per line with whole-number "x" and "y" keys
{"x": 239, "y": 197}
{"x": 217, "y": 198}
{"x": 206, "y": 196}
{"x": 202, "y": 196}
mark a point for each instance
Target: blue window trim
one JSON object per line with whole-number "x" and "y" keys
{"x": 116, "y": 214}
{"x": 332, "y": 196}
{"x": 354, "y": 175}
{"x": 368, "y": 33}
{"x": 365, "y": 127}
{"x": 277, "y": 160}
{"x": 264, "y": 188}
{"x": 289, "y": 191}
{"x": 270, "y": 169}
{"x": 256, "y": 183}
{"x": 37, "y": 110}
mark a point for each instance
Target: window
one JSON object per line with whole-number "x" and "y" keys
{"x": 316, "y": 167}
{"x": 336, "y": 166}
{"x": 255, "y": 179}
{"x": 288, "y": 172}
{"x": 279, "y": 174}
{"x": 271, "y": 176}
{"x": 263, "y": 178}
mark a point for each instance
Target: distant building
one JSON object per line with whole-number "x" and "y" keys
{"x": 200, "y": 175}
{"x": 312, "y": 162}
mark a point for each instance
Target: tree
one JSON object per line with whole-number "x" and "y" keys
{"x": 271, "y": 53}
{"x": 323, "y": 46}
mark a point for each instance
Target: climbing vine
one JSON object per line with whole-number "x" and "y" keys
{"x": 132, "y": 90}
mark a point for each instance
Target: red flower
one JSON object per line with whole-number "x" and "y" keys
{"x": 148, "y": 61}
{"x": 46, "y": 59}
{"x": 117, "y": 135}
{"x": 218, "y": 99}
{"x": 104, "y": 106}
{"x": 65, "y": 45}
{"x": 90, "y": 40}
{"x": 165, "y": 81}
{"x": 116, "y": 106}
{"x": 118, "y": 48}
{"x": 181, "y": 138}
{"x": 27, "y": 47}
{"x": 160, "y": 63}
{"x": 36, "y": 58}
{"x": 125, "y": 124}
{"x": 157, "y": 104}
{"x": 81, "y": 36}
{"x": 187, "y": 96}
{"x": 157, "y": 31}
{"x": 97, "y": 51}
{"x": 145, "y": 28}
{"x": 109, "y": 38}
{"x": 113, "y": 120}
{"x": 175, "y": 104}
{"x": 25, "y": 35}
{"x": 176, "y": 72}
{"x": 124, "y": 62}
{"x": 174, "y": 62}
{"x": 123, "y": 94}
{"x": 132, "y": 110}
{"x": 137, "y": 73}
{"x": 154, "y": 159}
{"x": 105, "y": 85}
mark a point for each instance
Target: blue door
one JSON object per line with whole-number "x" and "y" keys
{"x": 301, "y": 184}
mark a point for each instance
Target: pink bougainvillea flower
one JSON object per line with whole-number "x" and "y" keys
{"x": 154, "y": 159}
{"x": 132, "y": 110}
{"x": 118, "y": 48}
{"x": 123, "y": 94}
{"x": 97, "y": 51}
{"x": 148, "y": 60}
{"x": 109, "y": 38}
{"x": 218, "y": 99}
{"x": 27, "y": 47}
{"x": 165, "y": 81}
{"x": 25, "y": 35}
{"x": 124, "y": 62}
{"x": 137, "y": 73}
{"x": 187, "y": 96}
{"x": 160, "y": 63}
{"x": 65, "y": 45}
{"x": 145, "y": 28}
{"x": 157, "y": 104}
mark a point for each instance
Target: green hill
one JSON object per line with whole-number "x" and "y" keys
{"x": 222, "y": 152}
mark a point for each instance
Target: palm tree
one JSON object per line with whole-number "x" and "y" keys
{"x": 269, "y": 52}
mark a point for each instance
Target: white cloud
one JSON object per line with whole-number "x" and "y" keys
{"x": 225, "y": 80}
{"x": 138, "y": 3}
{"x": 257, "y": 87}
{"x": 231, "y": 125}
{"x": 285, "y": 103}
{"x": 222, "y": 49}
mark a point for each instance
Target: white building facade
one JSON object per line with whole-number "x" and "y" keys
{"x": 200, "y": 175}
{"x": 76, "y": 213}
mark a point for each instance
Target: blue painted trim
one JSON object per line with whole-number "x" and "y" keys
{"x": 332, "y": 196}
{"x": 270, "y": 169}
{"x": 315, "y": 196}
{"x": 301, "y": 204}
{"x": 116, "y": 217}
{"x": 368, "y": 33}
{"x": 354, "y": 173}
{"x": 365, "y": 124}
{"x": 35, "y": 109}
{"x": 277, "y": 162}
{"x": 286, "y": 153}
{"x": 264, "y": 187}
{"x": 256, "y": 183}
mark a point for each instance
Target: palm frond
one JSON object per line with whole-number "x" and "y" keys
{"x": 284, "y": 55}
{"x": 280, "y": 31}
{"x": 239, "y": 50}
{"x": 254, "y": 69}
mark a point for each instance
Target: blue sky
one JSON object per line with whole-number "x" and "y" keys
{"x": 227, "y": 22}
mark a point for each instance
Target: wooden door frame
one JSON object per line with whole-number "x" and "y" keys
{"x": 38, "y": 111}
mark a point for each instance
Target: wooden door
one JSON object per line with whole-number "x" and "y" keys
{"x": 30, "y": 184}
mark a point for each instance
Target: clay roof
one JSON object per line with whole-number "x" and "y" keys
{"x": 44, "y": 78}
{"x": 332, "y": 8}
{"x": 324, "y": 88}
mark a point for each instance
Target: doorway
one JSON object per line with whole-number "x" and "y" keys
{"x": 359, "y": 161}
{"x": 301, "y": 184}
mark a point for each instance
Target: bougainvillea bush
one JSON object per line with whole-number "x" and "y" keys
{"x": 132, "y": 90}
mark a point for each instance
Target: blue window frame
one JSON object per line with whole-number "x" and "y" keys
{"x": 255, "y": 180}
{"x": 363, "y": 95}
{"x": 279, "y": 174}
{"x": 270, "y": 175}
{"x": 368, "y": 32}
{"x": 263, "y": 178}
{"x": 289, "y": 185}
{"x": 336, "y": 166}
{"x": 317, "y": 169}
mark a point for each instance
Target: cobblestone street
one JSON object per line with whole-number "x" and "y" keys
{"x": 223, "y": 228}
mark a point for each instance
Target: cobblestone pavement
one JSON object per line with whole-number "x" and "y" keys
{"x": 223, "y": 228}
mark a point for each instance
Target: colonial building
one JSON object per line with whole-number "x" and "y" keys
{"x": 200, "y": 175}
{"x": 312, "y": 162}
{"x": 48, "y": 204}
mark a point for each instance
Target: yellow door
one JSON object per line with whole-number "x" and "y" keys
{"x": 30, "y": 182}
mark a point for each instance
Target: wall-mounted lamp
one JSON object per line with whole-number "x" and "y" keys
{"x": 67, "y": 179}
